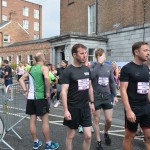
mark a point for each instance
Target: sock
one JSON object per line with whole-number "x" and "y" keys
{"x": 49, "y": 142}
{"x": 36, "y": 140}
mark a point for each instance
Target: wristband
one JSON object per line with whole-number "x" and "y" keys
{"x": 92, "y": 102}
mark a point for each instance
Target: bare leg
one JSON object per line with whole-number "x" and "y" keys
{"x": 108, "y": 119}
{"x": 127, "y": 141}
{"x": 147, "y": 138}
{"x": 96, "y": 120}
{"x": 45, "y": 127}
{"x": 33, "y": 119}
{"x": 69, "y": 138}
{"x": 87, "y": 138}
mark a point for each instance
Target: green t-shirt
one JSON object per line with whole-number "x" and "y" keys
{"x": 51, "y": 77}
{"x": 27, "y": 68}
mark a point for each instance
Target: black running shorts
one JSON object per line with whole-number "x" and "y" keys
{"x": 80, "y": 116}
{"x": 143, "y": 120}
{"x": 37, "y": 107}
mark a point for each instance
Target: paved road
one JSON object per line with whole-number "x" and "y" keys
{"x": 58, "y": 131}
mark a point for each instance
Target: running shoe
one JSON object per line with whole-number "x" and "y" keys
{"x": 80, "y": 129}
{"x": 99, "y": 146}
{"x": 36, "y": 145}
{"x": 53, "y": 146}
{"x": 107, "y": 139}
{"x": 57, "y": 104}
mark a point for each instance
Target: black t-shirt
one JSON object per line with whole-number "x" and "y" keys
{"x": 60, "y": 73}
{"x": 9, "y": 70}
{"x": 137, "y": 77}
{"x": 78, "y": 79}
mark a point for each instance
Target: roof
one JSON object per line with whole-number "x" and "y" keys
{"x": 4, "y": 23}
{"x": 62, "y": 37}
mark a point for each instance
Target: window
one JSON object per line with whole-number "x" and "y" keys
{"x": 1, "y": 60}
{"x": 36, "y": 26}
{"x": 18, "y": 59}
{"x": 6, "y": 38}
{"x": 4, "y": 18}
{"x": 9, "y": 59}
{"x": 25, "y": 24}
{"x": 108, "y": 52}
{"x": 92, "y": 19}
{"x": 4, "y": 3}
{"x": 91, "y": 55}
{"x": 36, "y": 36}
{"x": 36, "y": 14}
{"x": 30, "y": 60}
{"x": 26, "y": 11}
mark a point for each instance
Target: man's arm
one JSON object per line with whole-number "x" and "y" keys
{"x": 129, "y": 113}
{"x": 22, "y": 83}
{"x": 45, "y": 71}
{"x": 64, "y": 92}
{"x": 91, "y": 97}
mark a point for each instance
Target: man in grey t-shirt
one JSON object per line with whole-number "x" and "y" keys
{"x": 103, "y": 84}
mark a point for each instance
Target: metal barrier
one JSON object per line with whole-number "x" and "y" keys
{"x": 12, "y": 110}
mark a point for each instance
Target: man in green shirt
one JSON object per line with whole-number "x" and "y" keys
{"x": 38, "y": 97}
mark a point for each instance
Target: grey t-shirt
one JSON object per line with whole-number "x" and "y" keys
{"x": 103, "y": 79}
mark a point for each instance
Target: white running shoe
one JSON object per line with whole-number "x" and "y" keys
{"x": 57, "y": 104}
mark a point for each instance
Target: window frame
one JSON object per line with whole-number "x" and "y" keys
{"x": 36, "y": 14}
{"x": 8, "y": 38}
{"x": 4, "y": 3}
{"x": 25, "y": 24}
{"x": 92, "y": 19}
{"x": 25, "y": 11}
{"x": 3, "y": 18}
{"x": 36, "y": 26}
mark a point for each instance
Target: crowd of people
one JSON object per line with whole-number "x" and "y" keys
{"x": 84, "y": 92}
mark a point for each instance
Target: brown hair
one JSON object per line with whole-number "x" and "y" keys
{"x": 6, "y": 61}
{"x": 75, "y": 48}
{"x": 137, "y": 46}
{"x": 99, "y": 52}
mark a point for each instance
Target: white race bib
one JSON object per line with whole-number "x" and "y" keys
{"x": 103, "y": 81}
{"x": 83, "y": 84}
{"x": 142, "y": 87}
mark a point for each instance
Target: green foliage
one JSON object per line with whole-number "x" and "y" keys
{"x": 13, "y": 66}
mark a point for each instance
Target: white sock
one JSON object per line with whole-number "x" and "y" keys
{"x": 36, "y": 140}
{"x": 49, "y": 142}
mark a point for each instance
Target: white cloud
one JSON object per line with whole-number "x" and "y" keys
{"x": 50, "y": 16}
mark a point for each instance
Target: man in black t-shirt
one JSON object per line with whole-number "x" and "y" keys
{"x": 7, "y": 73}
{"x": 134, "y": 83}
{"x": 77, "y": 97}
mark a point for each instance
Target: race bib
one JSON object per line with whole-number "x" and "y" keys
{"x": 142, "y": 87}
{"x": 83, "y": 84}
{"x": 103, "y": 81}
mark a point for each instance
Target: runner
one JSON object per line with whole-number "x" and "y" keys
{"x": 134, "y": 86}
{"x": 37, "y": 100}
{"x": 59, "y": 74}
{"x": 76, "y": 93}
{"x": 102, "y": 81}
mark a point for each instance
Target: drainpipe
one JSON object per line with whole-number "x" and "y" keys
{"x": 96, "y": 17}
{"x": 144, "y": 18}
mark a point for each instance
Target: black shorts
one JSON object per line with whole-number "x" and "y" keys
{"x": 37, "y": 107}
{"x": 80, "y": 116}
{"x": 102, "y": 101}
{"x": 18, "y": 77}
{"x": 104, "y": 106}
{"x": 143, "y": 120}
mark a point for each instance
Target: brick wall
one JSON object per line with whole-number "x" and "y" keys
{"x": 16, "y": 33}
{"x": 15, "y": 7}
{"x": 124, "y": 13}
{"x": 24, "y": 50}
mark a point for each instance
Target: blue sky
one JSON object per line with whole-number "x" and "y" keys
{"x": 51, "y": 17}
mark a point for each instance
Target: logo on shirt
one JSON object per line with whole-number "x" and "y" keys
{"x": 86, "y": 73}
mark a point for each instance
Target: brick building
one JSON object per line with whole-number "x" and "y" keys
{"x": 27, "y": 14}
{"x": 25, "y": 51}
{"x": 122, "y": 22}
{"x": 11, "y": 32}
